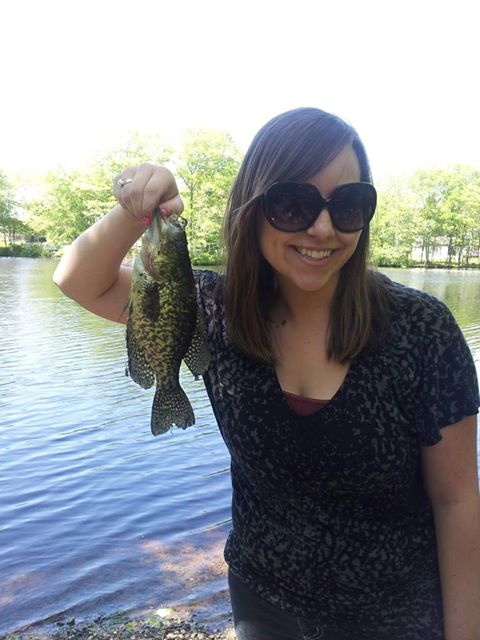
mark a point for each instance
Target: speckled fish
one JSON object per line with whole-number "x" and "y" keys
{"x": 164, "y": 325}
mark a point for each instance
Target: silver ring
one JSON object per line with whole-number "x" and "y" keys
{"x": 123, "y": 181}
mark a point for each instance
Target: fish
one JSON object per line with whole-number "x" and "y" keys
{"x": 165, "y": 325}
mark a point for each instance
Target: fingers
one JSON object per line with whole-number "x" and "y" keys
{"x": 140, "y": 190}
{"x": 174, "y": 206}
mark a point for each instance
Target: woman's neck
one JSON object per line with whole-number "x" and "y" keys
{"x": 301, "y": 307}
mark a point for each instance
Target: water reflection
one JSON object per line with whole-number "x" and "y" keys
{"x": 96, "y": 513}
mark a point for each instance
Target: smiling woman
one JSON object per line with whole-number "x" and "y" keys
{"x": 282, "y": 151}
{"x": 312, "y": 260}
{"x": 347, "y": 402}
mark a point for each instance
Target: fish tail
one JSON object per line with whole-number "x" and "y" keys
{"x": 171, "y": 407}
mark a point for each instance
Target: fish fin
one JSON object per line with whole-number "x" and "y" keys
{"x": 146, "y": 295}
{"x": 197, "y": 357}
{"x": 126, "y": 308}
{"x": 171, "y": 407}
{"x": 137, "y": 367}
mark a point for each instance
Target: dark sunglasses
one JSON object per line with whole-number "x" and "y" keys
{"x": 294, "y": 206}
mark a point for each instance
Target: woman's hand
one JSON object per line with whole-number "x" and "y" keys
{"x": 140, "y": 190}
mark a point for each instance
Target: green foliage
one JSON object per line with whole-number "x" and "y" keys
{"x": 65, "y": 209}
{"x": 206, "y": 258}
{"x": 137, "y": 150}
{"x": 74, "y": 200}
{"x": 22, "y": 251}
{"x": 392, "y": 228}
{"x": 416, "y": 216}
{"x": 33, "y": 251}
{"x": 10, "y": 224}
{"x": 435, "y": 208}
{"x": 207, "y": 167}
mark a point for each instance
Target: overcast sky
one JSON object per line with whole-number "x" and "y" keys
{"x": 78, "y": 76}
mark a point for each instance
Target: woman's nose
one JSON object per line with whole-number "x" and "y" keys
{"x": 322, "y": 225}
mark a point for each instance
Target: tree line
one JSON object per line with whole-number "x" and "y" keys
{"x": 430, "y": 217}
{"x": 433, "y": 216}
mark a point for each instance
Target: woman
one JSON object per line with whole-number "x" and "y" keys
{"x": 347, "y": 401}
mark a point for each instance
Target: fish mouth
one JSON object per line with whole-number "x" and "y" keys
{"x": 147, "y": 259}
{"x": 162, "y": 238}
{"x": 162, "y": 227}
{"x": 154, "y": 231}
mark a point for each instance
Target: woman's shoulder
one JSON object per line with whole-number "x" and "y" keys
{"x": 209, "y": 291}
{"x": 208, "y": 281}
{"x": 418, "y": 314}
{"x": 429, "y": 362}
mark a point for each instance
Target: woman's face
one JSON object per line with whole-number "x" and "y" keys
{"x": 311, "y": 260}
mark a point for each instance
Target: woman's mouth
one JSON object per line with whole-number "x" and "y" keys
{"x": 314, "y": 254}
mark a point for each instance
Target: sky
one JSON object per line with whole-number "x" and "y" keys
{"x": 79, "y": 77}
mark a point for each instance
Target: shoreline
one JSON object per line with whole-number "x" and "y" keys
{"x": 432, "y": 266}
{"x": 122, "y": 626}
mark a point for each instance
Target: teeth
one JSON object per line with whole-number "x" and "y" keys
{"x": 312, "y": 253}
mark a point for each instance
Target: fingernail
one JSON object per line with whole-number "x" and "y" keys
{"x": 164, "y": 212}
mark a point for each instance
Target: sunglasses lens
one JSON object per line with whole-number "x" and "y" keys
{"x": 291, "y": 206}
{"x": 352, "y": 206}
{"x": 294, "y": 206}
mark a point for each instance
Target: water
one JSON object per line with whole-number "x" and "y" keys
{"x": 97, "y": 515}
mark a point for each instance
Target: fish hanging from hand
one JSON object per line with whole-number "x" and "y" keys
{"x": 164, "y": 324}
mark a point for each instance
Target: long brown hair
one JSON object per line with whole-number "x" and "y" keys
{"x": 294, "y": 146}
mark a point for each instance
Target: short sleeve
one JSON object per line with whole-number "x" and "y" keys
{"x": 448, "y": 387}
{"x": 208, "y": 291}
{"x": 206, "y": 283}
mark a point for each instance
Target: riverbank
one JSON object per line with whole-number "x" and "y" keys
{"x": 34, "y": 251}
{"x": 122, "y": 627}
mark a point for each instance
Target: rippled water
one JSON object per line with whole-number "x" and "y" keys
{"x": 96, "y": 514}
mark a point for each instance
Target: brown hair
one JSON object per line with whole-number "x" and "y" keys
{"x": 293, "y": 146}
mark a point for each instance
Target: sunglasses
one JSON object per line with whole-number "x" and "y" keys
{"x": 294, "y": 206}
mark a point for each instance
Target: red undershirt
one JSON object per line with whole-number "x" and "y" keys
{"x": 303, "y": 406}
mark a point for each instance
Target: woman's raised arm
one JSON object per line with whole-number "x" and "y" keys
{"x": 91, "y": 271}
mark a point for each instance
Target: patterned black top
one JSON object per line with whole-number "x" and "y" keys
{"x": 330, "y": 517}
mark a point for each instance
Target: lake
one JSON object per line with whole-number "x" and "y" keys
{"x": 97, "y": 515}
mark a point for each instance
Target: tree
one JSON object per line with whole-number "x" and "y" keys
{"x": 207, "y": 167}
{"x": 10, "y": 224}
{"x": 461, "y": 212}
{"x": 433, "y": 207}
{"x": 76, "y": 199}
{"x": 64, "y": 211}
{"x": 430, "y": 187}
{"x": 448, "y": 203}
{"x": 392, "y": 228}
{"x": 138, "y": 149}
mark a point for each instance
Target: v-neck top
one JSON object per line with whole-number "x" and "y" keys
{"x": 330, "y": 519}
